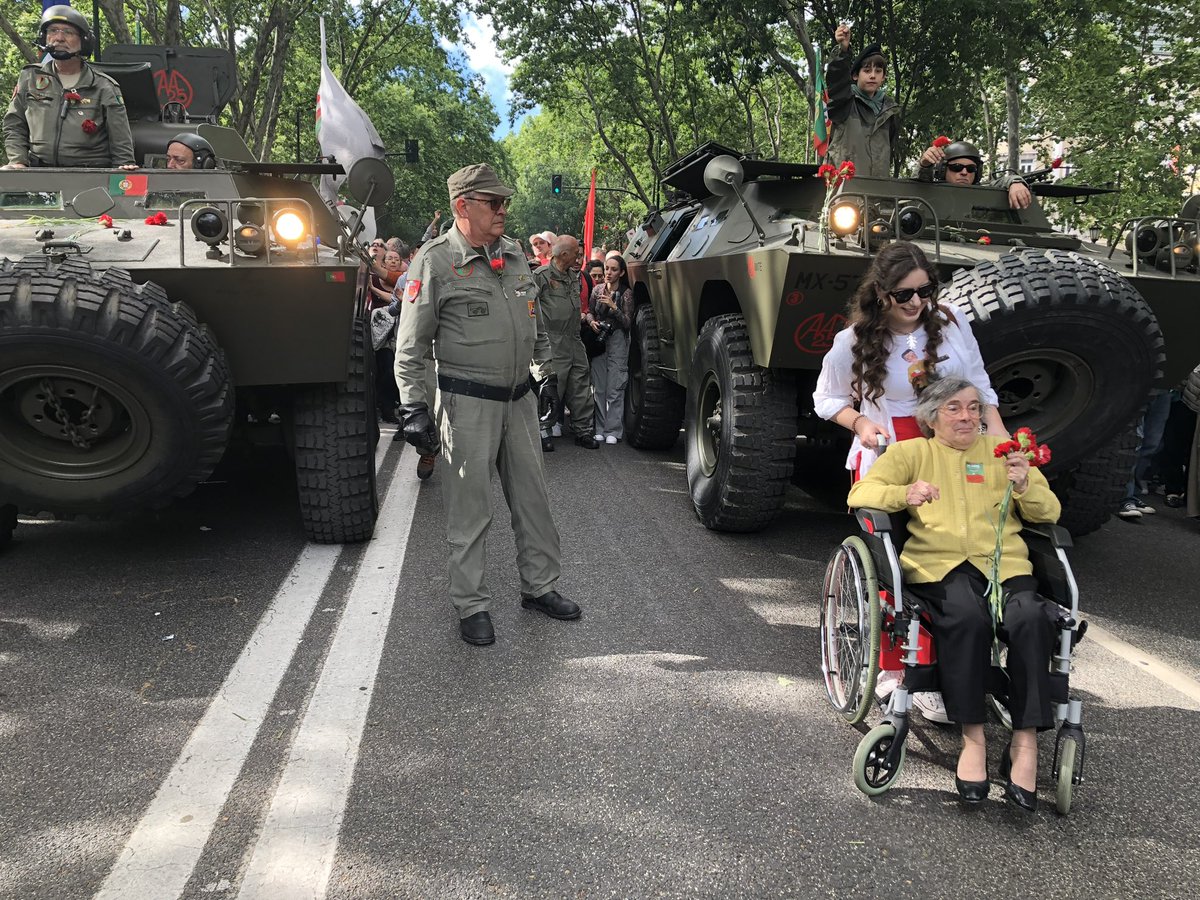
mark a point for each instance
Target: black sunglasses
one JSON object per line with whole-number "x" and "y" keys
{"x": 963, "y": 167}
{"x": 903, "y": 295}
{"x": 496, "y": 203}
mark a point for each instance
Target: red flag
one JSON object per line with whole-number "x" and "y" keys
{"x": 589, "y": 221}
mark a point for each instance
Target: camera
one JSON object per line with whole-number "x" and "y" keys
{"x": 606, "y": 329}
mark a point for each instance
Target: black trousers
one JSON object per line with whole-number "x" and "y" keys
{"x": 961, "y": 624}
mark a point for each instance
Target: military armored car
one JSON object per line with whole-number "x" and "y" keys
{"x": 740, "y": 291}
{"x": 149, "y": 318}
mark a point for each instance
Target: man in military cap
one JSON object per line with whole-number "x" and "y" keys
{"x": 470, "y": 295}
{"x": 961, "y": 163}
{"x": 190, "y": 151}
{"x": 865, "y": 119}
{"x": 560, "y": 297}
{"x": 63, "y": 111}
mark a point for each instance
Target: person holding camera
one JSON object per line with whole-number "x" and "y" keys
{"x": 610, "y": 316}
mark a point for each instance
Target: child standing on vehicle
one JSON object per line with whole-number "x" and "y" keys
{"x": 865, "y": 119}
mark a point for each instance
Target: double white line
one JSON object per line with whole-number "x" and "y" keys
{"x": 295, "y": 850}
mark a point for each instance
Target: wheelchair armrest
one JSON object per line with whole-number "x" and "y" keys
{"x": 873, "y": 521}
{"x": 1058, "y": 536}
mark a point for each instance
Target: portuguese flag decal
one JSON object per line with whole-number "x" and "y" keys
{"x": 127, "y": 185}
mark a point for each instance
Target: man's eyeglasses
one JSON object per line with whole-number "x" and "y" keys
{"x": 496, "y": 203}
{"x": 903, "y": 295}
{"x": 973, "y": 409}
{"x": 970, "y": 168}
{"x": 61, "y": 31}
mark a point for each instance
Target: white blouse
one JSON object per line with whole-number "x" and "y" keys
{"x": 834, "y": 391}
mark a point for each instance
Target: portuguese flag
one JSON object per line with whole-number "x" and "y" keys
{"x": 127, "y": 185}
{"x": 821, "y": 121}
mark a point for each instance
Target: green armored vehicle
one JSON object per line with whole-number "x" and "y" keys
{"x": 740, "y": 293}
{"x": 149, "y": 318}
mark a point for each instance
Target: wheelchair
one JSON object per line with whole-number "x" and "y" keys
{"x": 866, "y": 626}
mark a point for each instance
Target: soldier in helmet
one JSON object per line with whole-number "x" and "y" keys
{"x": 63, "y": 111}
{"x": 961, "y": 163}
{"x": 190, "y": 151}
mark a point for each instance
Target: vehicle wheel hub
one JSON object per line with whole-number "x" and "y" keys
{"x": 708, "y": 424}
{"x": 1052, "y": 385}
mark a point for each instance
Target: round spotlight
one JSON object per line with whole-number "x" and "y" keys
{"x": 251, "y": 213}
{"x": 289, "y": 227}
{"x": 843, "y": 219}
{"x": 1146, "y": 240}
{"x": 210, "y": 225}
{"x": 1184, "y": 255}
{"x": 911, "y": 221}
{"x": 250, "y": 239}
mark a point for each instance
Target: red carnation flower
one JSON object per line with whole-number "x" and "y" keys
{"x": 90, "y": 127}
{"x": 106, "y": 221}
{"x": 846, "y": 171}
{"x": 73, "y": 96}
{"x": 941, "y": 141}
{"x": 159, "y": 218}
{"x": 498, "y": 265}
{"x": 1056, "y": 162}
{"x": 985, "y": 240}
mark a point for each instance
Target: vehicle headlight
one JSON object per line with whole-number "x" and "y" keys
{"x": 289, "y": 227}
{"x": 209, "y": 224}
{"x": 251, "y": 213}
{"x": 249, "y": 238}
{"x": 843, "y": 219}
{"x": 911, "y": 221}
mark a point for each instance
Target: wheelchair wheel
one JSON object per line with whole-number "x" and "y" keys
{"x": 850, "y": 630}
{"x": 871, "y": 774}
{"x": 1066, "y": 773}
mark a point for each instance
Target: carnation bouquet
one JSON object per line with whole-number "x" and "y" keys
{"x": 1025, "y": 443}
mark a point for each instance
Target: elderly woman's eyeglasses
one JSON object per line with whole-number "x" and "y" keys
{"x": 496, "y": 203}
{"x": 956, "y": 409}
{"x": 903, "y": 295}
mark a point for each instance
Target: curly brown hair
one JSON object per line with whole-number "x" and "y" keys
{"x": 867, "y": 314}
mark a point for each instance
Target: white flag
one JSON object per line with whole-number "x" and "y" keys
{"x": 344, "y": 131}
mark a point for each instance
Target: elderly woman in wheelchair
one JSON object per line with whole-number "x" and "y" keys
{"x": 931, "y": 600}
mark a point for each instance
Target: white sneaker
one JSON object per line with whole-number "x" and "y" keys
{"x": 931, "y": 706}
{"x": 599, "y": 438}
{"x": 556, "y": 431}
{"x": 886, "y": 683}
{"x": 611, "y": 439}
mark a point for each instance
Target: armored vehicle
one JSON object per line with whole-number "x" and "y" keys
{"x": 740, "y": 292}
{"x": 149, "y": 318}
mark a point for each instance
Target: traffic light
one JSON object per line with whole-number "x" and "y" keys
{"x": 411, "y": 151}
{"x": 556, "y": 185}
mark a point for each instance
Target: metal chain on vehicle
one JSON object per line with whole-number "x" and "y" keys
{"x": 64, "y": 418}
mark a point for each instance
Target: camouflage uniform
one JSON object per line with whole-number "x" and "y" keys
{"x": 485, "y": 329}
{"x": 43, "y": 128}
{"x": 559, "y": 297}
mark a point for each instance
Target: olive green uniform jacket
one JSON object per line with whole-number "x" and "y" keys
{"x": 486, "y": 328}
{"x": 559, "y": 296}
{"x": 1003, "y": 181}
{"x": 44, "y": 127}
{"x": 858, "y": 133}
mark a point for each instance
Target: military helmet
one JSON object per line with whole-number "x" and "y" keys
{"x": 961, "y": 150}
{"x": 205, "y": 157}
{"x": 65, "y": 15}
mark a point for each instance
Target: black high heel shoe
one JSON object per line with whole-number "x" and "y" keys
{"x": 1027, "y": 800}
{"x": 972, "y": 793}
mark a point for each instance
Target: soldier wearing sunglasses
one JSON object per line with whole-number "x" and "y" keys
{"x": 471, "y": 300}
{"x": 960, "y": 163}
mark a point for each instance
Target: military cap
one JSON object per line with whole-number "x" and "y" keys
{"x": 477, "y": 177}
{"x": 871, "y": 50}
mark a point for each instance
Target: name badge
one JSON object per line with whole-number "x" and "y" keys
{"x": 477, "y": 309}
{"x": 975, "y": 473}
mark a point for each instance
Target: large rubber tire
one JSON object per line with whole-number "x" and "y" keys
{"x": 335, "y": 434}
{"x": 741, "y": 431}
{"x": 142, "y": 383}
{"x": 1071, "y": 348}
{"x": 1092, "y": 489}
{"x": 653, "y": 403}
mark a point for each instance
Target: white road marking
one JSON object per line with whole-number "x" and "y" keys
{"x": 163, "y": 850}
{"x": 1148, "y": 663}
{"x": 295, "y": 851}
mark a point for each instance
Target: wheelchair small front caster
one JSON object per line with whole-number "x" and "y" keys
{"x": 872, "y": 774}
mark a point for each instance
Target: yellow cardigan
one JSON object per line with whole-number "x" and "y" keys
{"x": 961, "y": 525}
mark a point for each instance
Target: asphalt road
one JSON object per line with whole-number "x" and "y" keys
{"x": 197, "y": 704}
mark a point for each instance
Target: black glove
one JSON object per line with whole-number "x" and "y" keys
{"x": 549, "y": 405}
{"x": 419, "y": 429}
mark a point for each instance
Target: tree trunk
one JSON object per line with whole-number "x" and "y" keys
{"x": 989, "y": 128}
{"x": 22, "y": 45}
{"x": 1012, "y": 99}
